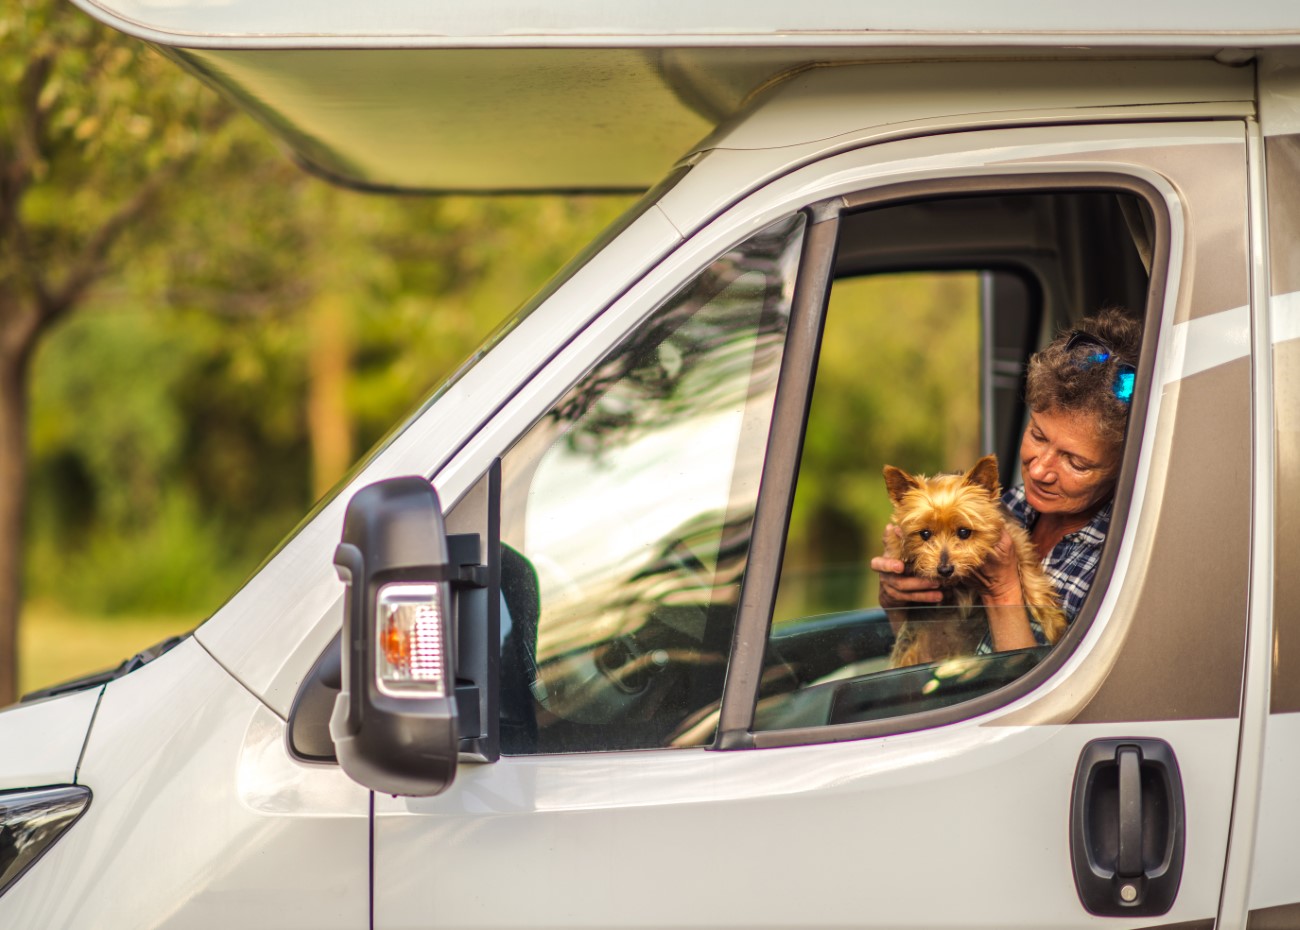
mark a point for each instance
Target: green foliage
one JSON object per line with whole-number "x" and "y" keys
{"x": 87, "y": 119}
{"x": 179, "y": 561}
{"x": 177, "y": 277}
{"x": 104, "y": 398}
{"x": 897, "y": 384}
{"x": 169, "y": 438}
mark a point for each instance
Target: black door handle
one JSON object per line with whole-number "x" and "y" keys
{"x": 1129, "y": 863}
{"x": 1127, "y": 826}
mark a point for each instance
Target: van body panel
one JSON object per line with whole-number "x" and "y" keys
{"x": 617, "y": 119}
{"x": 1279, "y": 92}
{"x": 1172, "y": 140}
{"x": 580, "y": 835}
{"x": 1277, "y": 841}
{"x": 1181, "y": 656}
{"x": 41, "y": 742}
{"x": 1282, "y": 159}
{"x": 1282, "y": 917}
{"x": 714, "y": 185}
{"x": 764, "y": 22}
{"x": 825, "y": 102}
{"x": 482, "y": 120}
{"x": 1284, "y": 693}
{"x": 199, "y": 818}
{"x": 1272, "y": 895}
{"x": 842, "y": 829}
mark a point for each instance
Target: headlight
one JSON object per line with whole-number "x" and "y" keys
{"x": 30, "y": 821}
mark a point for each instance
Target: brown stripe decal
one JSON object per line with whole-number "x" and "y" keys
{"x": 1282, "y": 158}
{"x": 1282, "y": 162}
{"x": 1285, "y": 693}
{"x": 1281, "y": 917}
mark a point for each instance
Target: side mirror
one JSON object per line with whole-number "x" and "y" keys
{"x": 394, "y": 724}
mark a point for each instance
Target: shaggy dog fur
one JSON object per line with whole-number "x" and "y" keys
{"x": 950, "y": 524}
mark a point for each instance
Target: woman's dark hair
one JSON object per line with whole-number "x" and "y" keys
{"x": 1089, "y": 370}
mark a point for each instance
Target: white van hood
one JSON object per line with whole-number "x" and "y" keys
{"x": 41, "y": 742}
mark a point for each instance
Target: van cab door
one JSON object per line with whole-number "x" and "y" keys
{"x": 698, "y": 719}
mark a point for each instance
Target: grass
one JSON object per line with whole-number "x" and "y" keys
{"x": 56, "y": 645}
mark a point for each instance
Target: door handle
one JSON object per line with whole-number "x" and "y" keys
{"x": 1127, "y": 827}
{"x": 1129, "y": 862}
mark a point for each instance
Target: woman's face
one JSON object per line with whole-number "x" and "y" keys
{"x": 1067, "y": 467}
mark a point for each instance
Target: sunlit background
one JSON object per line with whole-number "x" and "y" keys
{"x": 246, "y": 331}
{"x": 248, "y": 334}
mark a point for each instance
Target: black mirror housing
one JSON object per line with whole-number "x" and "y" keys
{"x": 394, "y": 724}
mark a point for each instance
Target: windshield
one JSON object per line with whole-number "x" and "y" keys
{"x": 508, "y": 325}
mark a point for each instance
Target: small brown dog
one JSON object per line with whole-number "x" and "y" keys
{"x": 949, "y": 525}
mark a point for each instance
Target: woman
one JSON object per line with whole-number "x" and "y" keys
{"x": 1079, "y": 390}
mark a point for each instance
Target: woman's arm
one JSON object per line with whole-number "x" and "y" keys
{"x": 1004, "y": 599}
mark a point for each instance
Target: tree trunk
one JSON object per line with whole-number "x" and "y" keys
{"x": 13, "y": 500}
{"x": 328, "y": 422}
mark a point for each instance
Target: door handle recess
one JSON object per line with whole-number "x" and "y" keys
{"x": 1127, "y": 827}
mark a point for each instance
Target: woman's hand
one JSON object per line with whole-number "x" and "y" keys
{"x": 1004, "y": 600}
{"x": 897, "y": 588}
{"x": 1000, "y": 574}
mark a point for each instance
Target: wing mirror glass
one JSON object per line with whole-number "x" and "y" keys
{"x": 394, "y": 724}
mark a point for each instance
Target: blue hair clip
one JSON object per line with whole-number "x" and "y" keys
{"x": 1123, "y": 384}
{"x": 1125, "y": 374}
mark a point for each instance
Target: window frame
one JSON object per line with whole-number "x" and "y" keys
{"x": 498, "y": 505}
{"x": 781, "y": 464}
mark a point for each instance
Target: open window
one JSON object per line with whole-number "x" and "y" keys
{"x": 935, "y": 308}
{"x": 641, "y": 516}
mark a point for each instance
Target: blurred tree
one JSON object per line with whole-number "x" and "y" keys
{"x": 897, "y": 383}
{"x": 253, "y": 326}
{"x": 232, "y": 369}
{"x": 92, "y": 129}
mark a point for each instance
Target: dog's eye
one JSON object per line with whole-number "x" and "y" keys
{"x": 925, "y": 535}
{"x": 963, "y": 532}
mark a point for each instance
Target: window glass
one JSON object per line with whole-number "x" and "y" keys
{"x": 907, "y": 395}
{"x": 626, "y": 516}
{"x": 885, "y": 393}
{"x": 924, "y": 370}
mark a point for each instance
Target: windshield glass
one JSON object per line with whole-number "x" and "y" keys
{"x": 507, "y": 326}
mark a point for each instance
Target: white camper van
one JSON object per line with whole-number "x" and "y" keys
{"x": 626, "y": 708}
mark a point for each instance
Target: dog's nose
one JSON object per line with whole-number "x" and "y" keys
{"x": 945, "y": 570}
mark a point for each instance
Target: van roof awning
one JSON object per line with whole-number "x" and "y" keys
{"x": 582, "y": 96}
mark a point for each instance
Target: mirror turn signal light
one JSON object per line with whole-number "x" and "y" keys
{"x": 411, "y": 646}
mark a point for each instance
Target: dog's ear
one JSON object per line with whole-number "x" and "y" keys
{"x": 899, "y": 483}
{"x": 985, "y": 475}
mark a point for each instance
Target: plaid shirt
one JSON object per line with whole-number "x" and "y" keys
{"x": 1070, "y": 565}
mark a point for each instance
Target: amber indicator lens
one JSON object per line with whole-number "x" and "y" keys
{"x": 410, "y": 657}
